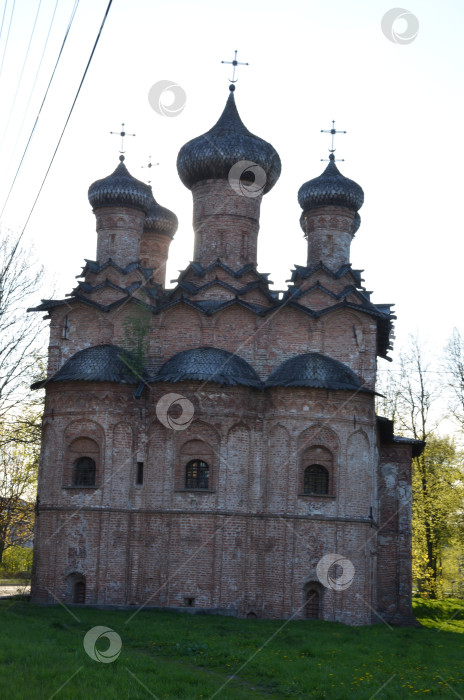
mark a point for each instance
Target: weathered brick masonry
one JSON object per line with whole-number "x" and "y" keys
{"x": 284, "y": 461}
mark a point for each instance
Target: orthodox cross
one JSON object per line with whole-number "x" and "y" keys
{"x": 150, "y": 165}
{"x": 122, "y": 134}
{"x": 234, "y": 63}
{"x": 332, "y": 131}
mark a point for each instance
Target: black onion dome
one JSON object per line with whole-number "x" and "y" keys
{"x": 209, "y": 365}
{"x": 120, "y": 189}
{"x": 315, "y": 370}
{"x": 160, "y": 220}
{"x": 212, "y": 155}
{"x": 331, "y": 188}
{"x": 100, "y": 363}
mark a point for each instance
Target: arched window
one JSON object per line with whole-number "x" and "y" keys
{"x": 196, "y": 475}
{"x": 83, "y": 463}
{"x": 312, "y": 603}
{"x": 84, "y": 470}
{"x": 316, "y": 479}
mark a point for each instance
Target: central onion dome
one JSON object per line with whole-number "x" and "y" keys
{"x": 209, "y": 365}
{"x": 331, "y": 189}
{"x": 212, "y": 155}
{"x": 318, "y": 371}
{"x": 120, "y": 189}
{"x": 160, "y": 220}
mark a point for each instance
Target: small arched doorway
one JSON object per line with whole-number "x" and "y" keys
{"x": 76, "y": 586}
{"x": 312, "y": 602}
{"x": 79, "y": 592}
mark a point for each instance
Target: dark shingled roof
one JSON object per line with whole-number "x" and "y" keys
{"x": 385, "y": 427}
{"x": 315, "y": 370}
{"x": 101, "y": 363}
{"x": 331, "y": 188}
{"x": 209, "y": 365}
{"x": 212, "y": 155}
{"x": 160, "y": 220}
{"x": 120, "y": 189}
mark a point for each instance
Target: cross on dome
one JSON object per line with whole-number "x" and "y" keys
{"x": 332, "y": 131}
{"x": 234, "y": 63}
{"x": 122, "y": 134}
{"x": 149, "y": 165}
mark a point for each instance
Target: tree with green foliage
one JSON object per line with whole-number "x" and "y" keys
{"x": 19, "y": 461}
{"x": 438, "y": 519}
{"x": 20, "y": 333}
{"x": 21, "y": 339}
{"x": 453, "y": 371}
{"x": 410, "y": 399}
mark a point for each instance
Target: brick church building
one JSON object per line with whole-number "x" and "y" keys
{"x": 215, "y": 445}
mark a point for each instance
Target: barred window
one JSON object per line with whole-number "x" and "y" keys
{"x": 316, "y": 479}
{"x": 197, "y": 475}
{"x": 84, "y": 470}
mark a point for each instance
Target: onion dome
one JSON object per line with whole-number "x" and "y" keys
{"x": 317, "y": 371}
{"x": 120, "y": 189}
{"x": 331, "y": 188}
{"x": 160, "y": 220}
{"x": 212, "y": 155}
{"x": 209, "y": 365}
{"x": 101, "y": 363}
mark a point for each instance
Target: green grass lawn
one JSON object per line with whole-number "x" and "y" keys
{"x": 175, "y": 655}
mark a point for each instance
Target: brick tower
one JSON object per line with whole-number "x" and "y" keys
{"x": 214, "y": 445}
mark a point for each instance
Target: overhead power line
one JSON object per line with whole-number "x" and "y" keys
{"x": 21, "y": 76}
{"x": 7, "y": 36}
{"x": 69, "y": 115}
{"x": 35, "y": 78}
{"x": 68, "y": 28}
{"x": 3, "y": 19}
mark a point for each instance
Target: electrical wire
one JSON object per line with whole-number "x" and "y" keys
{"x": 21, "y": 76}
{"x": 68, "y": 117}
{"x": 3, "y": 19}
{"x": 68, "y": 28}
{"x": 7, "y": 36}
{"x": 35, "y": 79}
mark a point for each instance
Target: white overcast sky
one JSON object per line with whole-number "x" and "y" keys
{"x": 310, "y": 62}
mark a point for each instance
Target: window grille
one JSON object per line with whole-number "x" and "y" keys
{"x": 84, "y": 471}
{"x": 197, "y": 475}
{"x": 316, "y": 479}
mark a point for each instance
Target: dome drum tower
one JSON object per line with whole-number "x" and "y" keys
{"x": 226, "y": 224}
{"x": 330, "y": 216}
{"x": 120, "y": 204}
{"x": 130, "y": 222}
{"x": 228, "y": 170}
